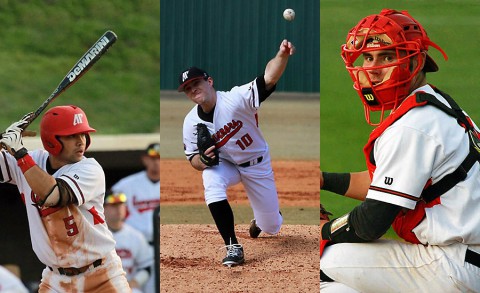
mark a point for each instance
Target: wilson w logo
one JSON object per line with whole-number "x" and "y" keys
{"x": 369, "y": 97}
{"x": 388, "y": 180}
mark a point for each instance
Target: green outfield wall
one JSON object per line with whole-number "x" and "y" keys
{"x": 233, "y": 41}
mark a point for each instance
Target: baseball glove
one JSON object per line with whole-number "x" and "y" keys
{"x": 324, "y": 214}
{"x": 204, "y": 141}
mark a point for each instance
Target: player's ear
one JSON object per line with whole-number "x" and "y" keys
{"x": 210, "y": 80}
{"x": 414, "y": 61}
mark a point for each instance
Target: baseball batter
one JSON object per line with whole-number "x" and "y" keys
{"x": 423, "y": 174}
{"x": 239, "y": 152}
{"x": 63, "y": 193}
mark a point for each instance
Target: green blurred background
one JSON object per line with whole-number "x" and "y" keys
{"x": 453, "y": 25}
{"x": 41, "y": 40}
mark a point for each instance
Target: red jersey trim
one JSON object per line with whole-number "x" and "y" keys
{"x": 77, "y": 186}
{"x": 393, "y": 192}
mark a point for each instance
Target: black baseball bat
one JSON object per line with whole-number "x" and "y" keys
{"x": 80, "y": 68}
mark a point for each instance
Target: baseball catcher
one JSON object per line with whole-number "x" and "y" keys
{"x": 423, "y": 176}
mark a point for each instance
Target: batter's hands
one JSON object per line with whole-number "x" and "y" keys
{"x": 287, "y": 48}
{"x": 11, "y": 139}
{"x": 20, "y": 124}
{"x": 12, "y": 142}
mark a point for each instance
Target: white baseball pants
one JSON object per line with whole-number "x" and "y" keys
{"x": 393, "y": 266}
{"x": 259, "y": 184}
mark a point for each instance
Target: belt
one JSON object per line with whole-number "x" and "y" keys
{"x": 76, "y": 271}
{"x": 472, "y": 257}
{"x": 252, "y": 162}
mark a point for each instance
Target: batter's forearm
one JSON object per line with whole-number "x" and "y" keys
{"x": 42, "y": 184}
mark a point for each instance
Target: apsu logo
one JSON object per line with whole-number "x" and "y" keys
{"x": 77, "y": 119}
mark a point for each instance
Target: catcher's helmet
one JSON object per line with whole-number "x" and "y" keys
{"x": 63, "y": 121}
{"x": 390, "y": 30}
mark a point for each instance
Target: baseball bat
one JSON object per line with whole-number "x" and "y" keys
{"x": 78, "y": 70}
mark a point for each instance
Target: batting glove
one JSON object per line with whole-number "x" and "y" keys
{"x": 12, "y": 141}
{"x": 20, "y": 124}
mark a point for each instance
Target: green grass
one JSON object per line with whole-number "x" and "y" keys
{"x": 199, "y": 214}
{"x": 453, "y": 25}
{"x": 42, "y": 40}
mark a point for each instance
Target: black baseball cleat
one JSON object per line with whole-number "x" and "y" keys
{"x": 254, "y": 229}
{"x": 234, "y": 255}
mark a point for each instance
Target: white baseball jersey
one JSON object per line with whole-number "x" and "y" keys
{"x": 414, "y": 149}
{"x": 71, "y": 236}
{"x": 133, "y": 249}
{"x": 143, "y": 196}
{"x": 425, "y": 143}
{"x": 235, "y": 129}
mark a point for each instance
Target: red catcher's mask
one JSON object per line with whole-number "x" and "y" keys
{"x": 393, "y": 31}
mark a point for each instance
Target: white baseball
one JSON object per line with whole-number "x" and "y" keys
{"x": 289, "y": 14}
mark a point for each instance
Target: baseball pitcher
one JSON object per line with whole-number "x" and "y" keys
{"x": 222, "y": 138}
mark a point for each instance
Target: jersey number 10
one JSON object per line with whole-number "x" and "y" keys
{"x": 245, "y": 141}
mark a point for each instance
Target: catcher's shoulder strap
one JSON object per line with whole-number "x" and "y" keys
{"x": 449, "y": 181}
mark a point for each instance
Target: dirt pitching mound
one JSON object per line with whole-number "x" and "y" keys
{"x": 190, "y": 260}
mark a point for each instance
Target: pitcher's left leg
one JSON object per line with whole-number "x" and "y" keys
{"x": 259, "y": 183}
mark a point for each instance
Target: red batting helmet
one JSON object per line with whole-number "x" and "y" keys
{"x": 390, "y": 30}
{"x": 63, "y": 121}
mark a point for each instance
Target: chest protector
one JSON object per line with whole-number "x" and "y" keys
{"x": 407, "y": 220}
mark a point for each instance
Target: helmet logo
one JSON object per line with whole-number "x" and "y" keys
{"x": 378, "y": 41}
{"x": 77, "y": 119}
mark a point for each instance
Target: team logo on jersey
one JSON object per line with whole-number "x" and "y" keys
{"x": 77, "y": 119}
{"x": 145, "y": 205}
{"x": 226, "y": 132}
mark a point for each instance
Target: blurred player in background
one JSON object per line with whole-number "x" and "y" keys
{"x": 423, "y": 176}
{"x": 10, "y": 283}
{"x": 131, "y": 245}
{"x": 143, "y": 192}
{"x": 63, "y": 193}
{"x": 143, "y": 196}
